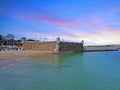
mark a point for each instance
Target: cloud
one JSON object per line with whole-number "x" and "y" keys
{"x": 95, "y": 30}
{"x": 104, "y": 37}
{"x": 115, "y": 10}
{"x": 97, "y": 23}
{"x": 56, "y": 20}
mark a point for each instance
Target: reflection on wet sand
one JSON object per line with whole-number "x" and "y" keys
{"x": 11, "y": 58}
{"x": 57, "y": 59}
{"x": 12, "y": 55}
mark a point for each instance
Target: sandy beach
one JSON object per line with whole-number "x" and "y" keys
{"x": 12, "y": 55}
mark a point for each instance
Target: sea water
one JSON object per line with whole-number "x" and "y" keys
{"x": 75, "y": 71}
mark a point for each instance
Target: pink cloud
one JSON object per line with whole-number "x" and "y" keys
{"x": 93, "y": 24}
{"x": 61, "y": 22}
{"x": 103, "y": 33}
{"x": 103, "y": 37}
{"x": 115, "y": 9}
{"x": 74, "y": 22}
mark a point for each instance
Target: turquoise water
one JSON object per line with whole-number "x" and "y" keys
{"x": 76, "y": 71}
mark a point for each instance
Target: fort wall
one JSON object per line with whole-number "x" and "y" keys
{"x": 70, "y": 46}
{"x": 54, "y": 46}
{"x": 42, "y": 46}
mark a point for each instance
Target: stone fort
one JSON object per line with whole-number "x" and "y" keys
{"x": 56, "y": 46}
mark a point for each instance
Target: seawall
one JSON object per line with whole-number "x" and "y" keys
{"x": 100, "y": 48}
{"x": 70, "y": 47}
{"x": 54, "y": 46}
{"x": 41, "y": 46}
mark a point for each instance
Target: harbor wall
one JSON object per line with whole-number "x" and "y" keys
{"x": 42, "y": 46}
{"x": 100, "y": 48}
{"x": 54, "y": 46}
{"x": 70, "y": 47}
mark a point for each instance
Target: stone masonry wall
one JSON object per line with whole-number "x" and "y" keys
{"x": 42, "y": 46}
{"x": 70, "y": 46}
{"x": 54, "y": 46}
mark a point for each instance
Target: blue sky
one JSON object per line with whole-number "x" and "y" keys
{"x": 95, "y": 21}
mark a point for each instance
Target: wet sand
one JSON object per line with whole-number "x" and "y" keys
{"x": 12, "y": 55}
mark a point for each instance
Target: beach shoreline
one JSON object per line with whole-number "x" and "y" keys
{"x": 13, "y": 55}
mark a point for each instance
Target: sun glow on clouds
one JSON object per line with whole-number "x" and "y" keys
{"x": 94, "y": 27}
{"x": 98, "y": 38}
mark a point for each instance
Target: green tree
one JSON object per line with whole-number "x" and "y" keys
{"x": 1, "y": 37}
{"x": 30, "y": 40}
{"x": 23, "y": 39}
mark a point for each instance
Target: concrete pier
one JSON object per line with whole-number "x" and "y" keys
{"x": 100, "y": 48}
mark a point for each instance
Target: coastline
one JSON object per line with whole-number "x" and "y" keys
{"x": 13, "y": 55}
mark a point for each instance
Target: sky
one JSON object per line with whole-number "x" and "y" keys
{"x": 94, "y": 21}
